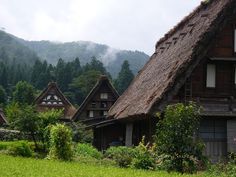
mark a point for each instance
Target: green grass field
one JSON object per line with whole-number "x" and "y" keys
{"x": 17, "y": 166}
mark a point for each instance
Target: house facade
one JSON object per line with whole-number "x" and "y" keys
{"x": 194, "y": 61}
{"x": 52, "y": 98}
{"x": 96, "y": 105}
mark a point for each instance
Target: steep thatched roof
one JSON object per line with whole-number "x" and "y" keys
{"x": 103, "y": 79}
{"x": 175, "y": 57}
{"x": 52, "y": 88}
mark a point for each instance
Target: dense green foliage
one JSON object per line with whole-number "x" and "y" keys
{"x": 24, "y": 93}
{"x": 60, "y": 143}
{"x": 20, "y": 148}
{"x": 46, "y": 120}
{"x": 122, "y": 155}
{"x": 87, "y": 150}
{"x": 42, "y": 73}
{"x": 175, "y": 140}
{"x": 145, "y": 156}
{"x": 17, "y": 148}
{"x": 124, "y": 78}
{"x": 3, "y": 96}
{"x": 83, "y": 84}
{"x": 24, "y": 118}
{"x": 81, "y": 133}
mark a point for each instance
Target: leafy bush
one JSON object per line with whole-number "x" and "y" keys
{"x": 175, "y": 138}
{"x": 88, "y": 150}
{"x": 224, "y": 169}
{"x": 145, "y": 157}
{"x": 122, "y": 155}
{"x": 21, "y": 148}
{"x": 60, "y": 143}
{"x": 47, "y": 119}
{"x": 80, "y": 133}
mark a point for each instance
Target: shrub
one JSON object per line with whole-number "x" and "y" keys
{"x": 122, "y": 155}
{"x": 144, "y": 158}
{"x": 60, "y": 143}
{"x": 47, "y": 119}
{"x": 175, "y": 137}
{"x": 88, "y": 150}
{"x": 80, "y": 133}
{"x": 21, "y": 148}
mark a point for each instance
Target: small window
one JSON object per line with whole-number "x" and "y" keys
{"x": 104, "y": 96}
{"x": 105, "y": 113}
{"x": 234, "y": 40}
{"x": 235, "y": 76}
{"x": 211, "y": 76}
{"x": 91, "y": 114}
{"x": 93, "y": 104}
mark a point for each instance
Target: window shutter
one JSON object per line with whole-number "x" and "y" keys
{"x": 211, "y": 76}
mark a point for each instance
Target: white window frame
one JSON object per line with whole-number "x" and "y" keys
{"x": 235, "y": 40}
{"x": 211, "y": 76}
{"x": 104, "y": 96}
{"x": 91, "y": 114}
{"x": 105, "y": 113}
{"x": 235, "y": 75}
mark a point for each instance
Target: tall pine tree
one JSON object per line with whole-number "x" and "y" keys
{"x": 124, "y": 78}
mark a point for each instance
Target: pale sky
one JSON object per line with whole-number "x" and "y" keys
{"x": 121, "y": 24}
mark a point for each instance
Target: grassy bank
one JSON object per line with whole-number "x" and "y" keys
{"x": 19, "y": 167}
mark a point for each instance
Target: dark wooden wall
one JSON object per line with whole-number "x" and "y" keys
{"x": 105, "y": 136}
{"x": 97, "y": 110}
{"x": 222, "y": 55}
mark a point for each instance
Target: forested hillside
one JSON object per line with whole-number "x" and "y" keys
{"x": 111, "y": 58}
{"x": 20, "y": 67}
{"x": 12, "y": 51}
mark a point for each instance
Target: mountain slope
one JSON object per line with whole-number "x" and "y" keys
{"x": 111, "y": 58}
{"x": 11, "y": 50}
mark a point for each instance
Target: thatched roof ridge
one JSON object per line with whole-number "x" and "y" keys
{"x": 102, "y": 79}
{"x": 183, "y": 21}
{"x": 176, "y": 55}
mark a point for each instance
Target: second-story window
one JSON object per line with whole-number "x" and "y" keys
{"x": 235, "y": 76}
{"x": 93, "y": 105}
{"x": 91, "y": 114}
{"x": 105, "y": 113}
{"x": 235, "y": 40}
{"x": 104, "y": 96}
{"x": 211, "y": 76}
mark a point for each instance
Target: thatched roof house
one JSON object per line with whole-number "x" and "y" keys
{"x": 52, "y": 98}
{"x": 194, "y": 61}
{"x": 176, "y": 55}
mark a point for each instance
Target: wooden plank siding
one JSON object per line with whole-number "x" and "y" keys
{"x": 215, "y": 150}
{"x": 95, "y": 104}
